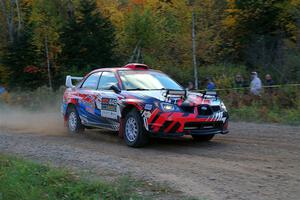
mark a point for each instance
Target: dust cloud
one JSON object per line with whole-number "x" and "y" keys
{"x": 47, "y": 121}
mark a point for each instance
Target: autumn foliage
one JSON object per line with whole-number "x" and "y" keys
{"x": 47, "y": 39}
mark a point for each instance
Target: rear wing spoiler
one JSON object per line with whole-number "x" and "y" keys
{"x": 69, "y": 80}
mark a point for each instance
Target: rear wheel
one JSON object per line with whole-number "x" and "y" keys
{"x": 203, "y": 138}
{"x": 135, "y": 135}
{"x": 73, "y": 121}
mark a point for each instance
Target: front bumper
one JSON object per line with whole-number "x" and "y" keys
{"x": 209, "y": 132}
{"x": 180, "y": 123}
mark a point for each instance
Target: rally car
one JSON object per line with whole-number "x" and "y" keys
{"x": 139, "y": 103}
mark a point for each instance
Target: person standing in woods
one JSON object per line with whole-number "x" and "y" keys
{"x": 239, "y": 84}
{"x": 269, "y": 83}
{"x": 210, "y": 84}
{"x": 2, "y": 90}
{"x": 239, "y": 81}
{"x": 190, "y": 86}
{"x": 255, "y": 86}
{"x": 269, "y": 80}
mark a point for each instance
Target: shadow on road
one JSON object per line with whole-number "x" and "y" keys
{"x": 162, "y": 144}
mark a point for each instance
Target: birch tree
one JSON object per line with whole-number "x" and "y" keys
{"x": 47, "y": 22}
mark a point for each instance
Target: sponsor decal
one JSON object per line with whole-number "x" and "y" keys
{"x": 88, "y": 103}
{"x": 146, "y": 115}
{"x": 109, "y": 107}
{"x": 203, "y": 108}
{"x": 109, "y": 114}
{"x": 148, "y": 107}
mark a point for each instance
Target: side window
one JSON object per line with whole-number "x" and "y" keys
{"x": 107, "y": 79}
{"x": 91, "y": 82}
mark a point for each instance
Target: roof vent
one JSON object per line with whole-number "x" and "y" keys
{"x": 136, "y": 66}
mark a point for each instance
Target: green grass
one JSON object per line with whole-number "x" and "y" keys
{"x": 21, "y": 179}
{"x": 263, "y": 114}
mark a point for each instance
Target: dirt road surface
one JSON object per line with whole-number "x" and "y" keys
{"x": 254, "y": 161}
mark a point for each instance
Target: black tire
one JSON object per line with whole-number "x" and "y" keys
{"x": 203, "y": 138}
{"x": 74, "y": 122}
{"x": 135, "y": 134}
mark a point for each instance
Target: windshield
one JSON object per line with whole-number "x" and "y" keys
{"x": 147, "y": 80}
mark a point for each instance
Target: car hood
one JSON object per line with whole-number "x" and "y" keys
{"x": 191, "y": 99}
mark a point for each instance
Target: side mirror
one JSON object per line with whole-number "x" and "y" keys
{"x": 115, "y": 88}
{"x": 69, "y": 83}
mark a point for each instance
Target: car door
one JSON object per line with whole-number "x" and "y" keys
{"x": 87, "y": 93}
{"x": 107, "y": 100}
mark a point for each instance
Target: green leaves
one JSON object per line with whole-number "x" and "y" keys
{"x": 88, "y": 39}
{"x": 83, "y": 35}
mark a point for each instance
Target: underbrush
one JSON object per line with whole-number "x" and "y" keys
{"x": 37, "y": 100}
{"x": 278, "y": 106}
{"x": 281, "y": 105}
{"x": 263, "y": 114}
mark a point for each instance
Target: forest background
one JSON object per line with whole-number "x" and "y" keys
{"x": 42, "y": 41}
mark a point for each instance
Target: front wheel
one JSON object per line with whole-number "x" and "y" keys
{"x": 73, "y": 121}
{"x": 135, "y": 134}
{"x": 203, "y": 138}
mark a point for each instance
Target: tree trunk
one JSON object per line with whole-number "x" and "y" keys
{"x": 194, "y": 50}
{"x": 19, "y": 17}
{"x": 298, "y": 35}
{"x": 48, "y": 62}
{"x": 8, "y": 18}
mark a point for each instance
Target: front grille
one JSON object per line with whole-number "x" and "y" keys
{"x": 205, "y": 110}
{"x": 194, "y": 126}
{"x": 216, "y": 108}
{"x": 188, "y": 109}
{"x": 208, "y": 110}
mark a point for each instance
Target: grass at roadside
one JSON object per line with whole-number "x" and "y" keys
{"x": 281, "y": 107}
{"x": 262, "y": 114}
{"x": 21, "y": 179}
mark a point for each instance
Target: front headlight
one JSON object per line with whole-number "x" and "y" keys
{"x": 223, "y": 107}
{"x": 167, "y": 107}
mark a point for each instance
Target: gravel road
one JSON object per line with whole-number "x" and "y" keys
{"x": 254, "y": 161}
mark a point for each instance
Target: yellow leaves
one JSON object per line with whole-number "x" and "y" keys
{"x": 232, "y": 10}
{"x": 229, "y": 22}
{"x": 46, "y": 25}
{"x": 295, "y": 3}
{"x": 231, "y": 4}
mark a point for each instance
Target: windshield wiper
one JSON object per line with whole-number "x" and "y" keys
{"x": 166, "y": 89}
{"x": 140, "y": 89}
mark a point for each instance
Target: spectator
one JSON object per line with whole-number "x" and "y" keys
{"x": 255, "y": 86}
{"x": 190, "y": 86}
{"x": 239, "y": 81}
{"x": 240, "y": 84}
{"x": 269, "y": 80}
{"x": 2, "y": 90}
{"x": 210, "y": 84}
{"x": 269, "y": 83}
